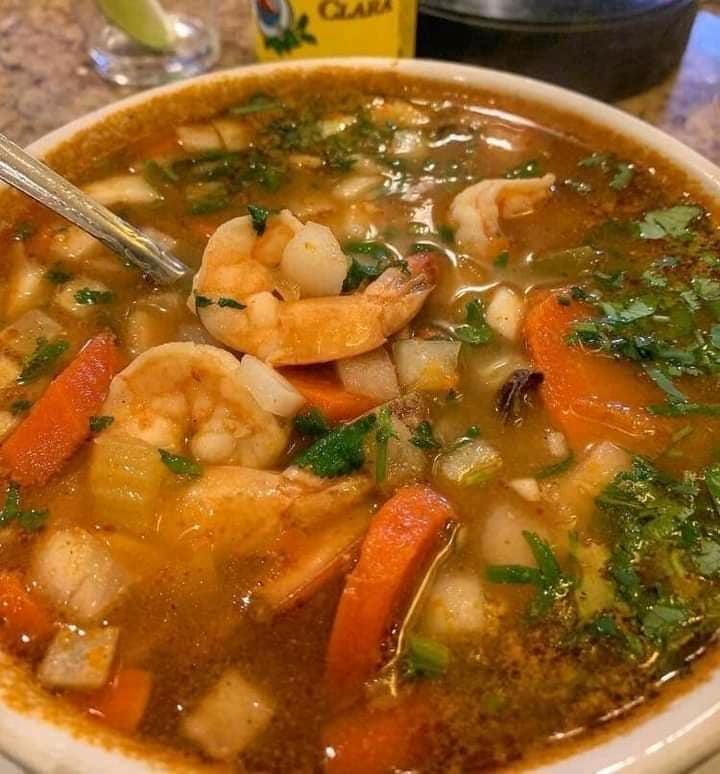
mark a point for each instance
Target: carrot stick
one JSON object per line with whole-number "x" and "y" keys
{"x": 397, "y": 545}
{"x": 322, "y": 391}
{"x": 590, "y": 396}
{"x": 59, "y": 422}
{"x": 121, "y": 703}
{"x": 21, "y": 615}
{"x": 365, "y": 741}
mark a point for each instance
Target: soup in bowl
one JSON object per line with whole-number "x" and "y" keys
{"x": 418, "y": 471}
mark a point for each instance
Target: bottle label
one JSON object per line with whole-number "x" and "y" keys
{"x": 297, "y": 29}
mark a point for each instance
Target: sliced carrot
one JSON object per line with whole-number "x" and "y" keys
{"x": 59, "y": 422}
{"x": 122, "y": 702}
{"x": 397, "y": 545}
{"x": 23, "y": 619}
{"x": 366, "y": 741}
{"x": 590, "y": 396}
{"x": 323, "y": 391}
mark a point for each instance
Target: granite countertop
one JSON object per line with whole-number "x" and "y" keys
{"x": 46, "y": 80}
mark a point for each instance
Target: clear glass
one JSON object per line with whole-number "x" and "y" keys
{"x": 121, "y": 59}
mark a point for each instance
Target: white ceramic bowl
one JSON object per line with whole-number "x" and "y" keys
{"x": 681, "y": 733}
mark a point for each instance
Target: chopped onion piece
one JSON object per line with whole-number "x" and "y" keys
{"x": 473, "y": 462}
{"x": 408, "y": 143}
{"x": 229, "y": 716}
{"x": 501, "y": 536}
{"x": 197, "y": 138}
{"x": 73, "y": 244}
{"x": 505, "y": 313}
{"x": 357, "y": 187}
{"x": 272, "y": 391}
{"x": 9, "y": 372}
{"x": 556, "y": 443}
{"x": 455, "y": 606}
{"x": 25, "y": 287}
{"x": 22, "y": 335}
{"x": 123, "y": 189}
{"x": 79, "y": 659}
{"x": 315, "y": 261}
{"x": 76, "y": 572}
{"x": 372, "y": 374}
{"x": 527, "y": 488}
{"x": 426, "y": 365}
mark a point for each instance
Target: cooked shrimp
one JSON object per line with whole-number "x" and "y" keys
{"x": 186, "y": 392}
{"x": 242, "y": 510}
{"x": 477, "y": 210}
{"x": 289, "y": 282}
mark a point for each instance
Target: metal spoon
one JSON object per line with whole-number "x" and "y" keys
{"x": 24, "y": 172}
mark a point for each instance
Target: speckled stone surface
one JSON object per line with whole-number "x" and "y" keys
{"x": 46, "y": 80}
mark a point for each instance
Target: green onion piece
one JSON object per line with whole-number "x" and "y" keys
{"x": 425, "y": 658}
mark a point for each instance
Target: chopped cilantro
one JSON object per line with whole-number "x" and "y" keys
{"x": 24, "y": 231}
{"x": 551, "y": 582}
{"x": 707, "y": 557}
{"x": 623, "y": 176}
{"x": 43, "y": 359}
{"x": 159, "y": 174}
{"x": 230, "y": 303}
{"x": 312, "y": 423}
{"x": 258, "y": 218}
{"x": 100, "y": 423}
{"x": 179, "y": 465}
{"x": 201, "y": 302}
{"x": 57, "y": 276}
{"x": 20, "y": 406}
{"x": 30, "y": 520}
{"x": 502, "y": 260}
{"x": 556, "y": 468}
{"x": 673, "y": 222}
{"x": 423, "y": 437}
{"x": 425, "y": 658}
{"x": 340, "y": 451}
{"x": 260, "y": 102}
{"x": 90, "y": 296}
{"x": 677, "y": 409}
{"x": 368, "y": 261}
{"x": 528, "y": 169}
{"x": 209, "y": 204}
{"x": 446, "y": 233}
{"x": 475, "y": 330}
{"x": 665, "y": 384}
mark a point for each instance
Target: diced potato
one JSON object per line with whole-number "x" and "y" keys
{"x": 72, "y": 244}
{"x": 8, "y": 422}
{"x": 595, "y": 592}
{"x": 426, "y": 365}
{"x": 66, "y": 300}
{"x": 25, "y": 286}
{"x": 21, "y": 337}
{"x": 271, "y": 390}
{"x": 408, "y": 144}
{"x": 125, "y": 478}
{"x": 235, "y": 135}
{"x": 229, "y": 717}
{"x": 501, "y": 536}
{"x": 455, "y": 607}
{"x": 314, "y": 260}
{"x": 122, "y": 189}
{"x": 77, "y": 573}
{"x": 336, "y": 125}
{"x": 556, "y": 443}
{"x": 199, "y": 138}
{"x": 372, "y": 374}
{"x": 405, "y": 462}
{"x": 145, "y": 328}
{"x": 79, "y": 660}
{"x": 527, "y": 488}
{"x": 473, "y": 462}
{"x": 357, "y": 187}
{"x": 576, "y": 490}
{"x": 9, "y": 372}
{"x": 505, "y": 313}
{"x": 397, "y": 112}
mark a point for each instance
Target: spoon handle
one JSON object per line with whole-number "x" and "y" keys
{"x": 24, "y": 172}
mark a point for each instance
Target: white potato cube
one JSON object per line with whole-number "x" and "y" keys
{"x": 455, "y": 606}
{"x": 235, "y": 135}
{"x": 371, "y": 374}
{"x": 67, "y": 297}
{"x": 73, "y": 244}
{"x": 78, "y": 659}
{"x": 77, "y": 573}
{"x": 229, "y": 716}
{"x": 21, "y": 337}
{"x": 9, "y": 372}
{"x": 25, "y": 286}
{"x": 527, "y": 488}
{"x": 505, "y": 313}
{"x": 426, "y": 365}
{"x": 122, "y": 189}
{"x": 199, "y": 138}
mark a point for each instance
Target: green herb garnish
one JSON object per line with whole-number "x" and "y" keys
{"x": 100, "y": 423}
{"x": 556, "y": 468}
{"x": 260, "y": 102}
{"x": 30, "y": 520}
{"x": 230, "y": 303}
{"x": 20, "y": 406}
{"x": 312, "y": 423}
{"x": 673, "y": 222}
{"x": 258, "y": 218}
{"x": 340, "y": 451}
{"x": 207, "y": 205}
{"x": 24, "y": 231}
{"x": 423, "y": 436}
{"x": 58, "y": 276}
{"x": 90, "y": 296}
{"x": 383, "y": 434}
{"x": 425, "y": 658}
{"x": 180, "y": 466}
{"x": 502, "y": 260}
{"x": 475, "y": 331}
{"x": 43, "y": 359}
{"x": 202, "y": 302}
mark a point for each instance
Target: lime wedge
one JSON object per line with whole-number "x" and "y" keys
{"x": 142, "y": 20}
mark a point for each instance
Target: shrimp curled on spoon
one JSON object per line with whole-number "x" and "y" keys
{"x": 185, "y": 392}
{"x": 277, "y": 295}
{"x": 476, "y": 211}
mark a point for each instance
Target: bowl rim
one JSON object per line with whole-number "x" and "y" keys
{"x": 676, "y": 736}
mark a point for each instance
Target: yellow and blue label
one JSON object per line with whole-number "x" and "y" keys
{"x": 300, "y": 29}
